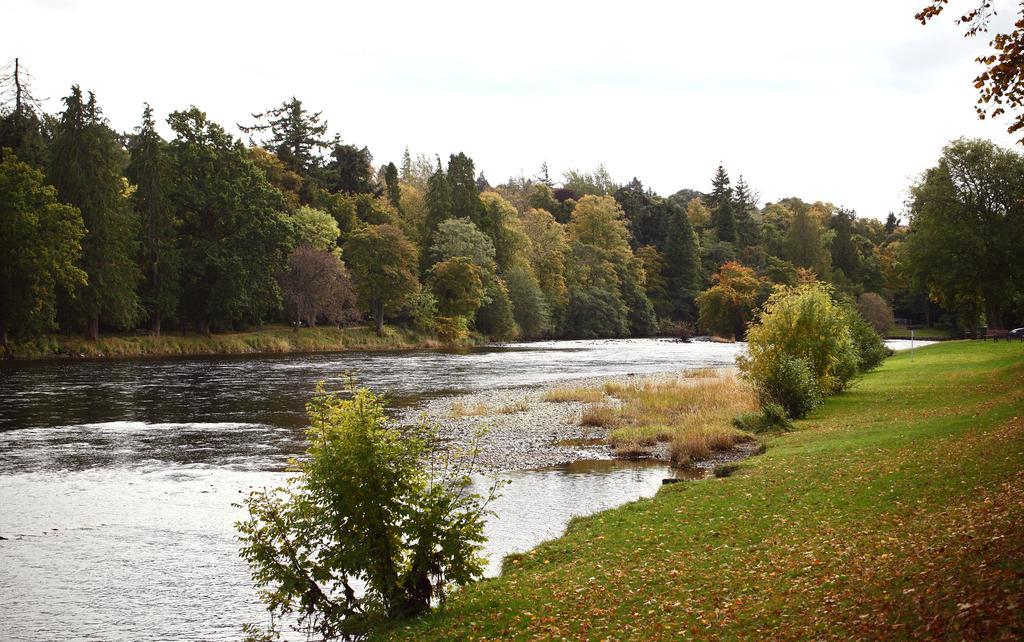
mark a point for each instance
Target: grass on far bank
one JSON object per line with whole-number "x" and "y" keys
{"x": 930, "y": 334}
{"x": 270, "y": 339}
{"x": 895, "y": 510}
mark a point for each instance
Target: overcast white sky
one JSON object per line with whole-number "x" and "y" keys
{"x": 798, "y": 96}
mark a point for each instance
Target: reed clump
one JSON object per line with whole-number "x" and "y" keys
{"x": 459, "y": 410}
{"x": 692, "y": 413}
{"x": 601, "y": 415}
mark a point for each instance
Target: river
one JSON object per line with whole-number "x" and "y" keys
{"x": 118, "y": 478}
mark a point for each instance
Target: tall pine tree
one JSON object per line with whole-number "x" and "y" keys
{"x": 393, "y": 188}
{"x": 439, "y": 210}
{"x": 293, "y": 133}
{"x": 748, "y": 230}
{"x": 86, "y": 162}
{"x": 150, "y": 171}
{"x": 722, "y": 216}
{"x": 462, "y": 181}
{"x": 682, "y": 263}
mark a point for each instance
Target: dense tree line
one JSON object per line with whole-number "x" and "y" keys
{"x": 203, "y": 232}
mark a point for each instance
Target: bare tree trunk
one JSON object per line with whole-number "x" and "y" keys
{"x": 378, "y": 316}
{"x": 994, "y": 315}
{"x": 92, "y": 330}
{"x": 155, "y": 322}
{"x": 3, "y": 339}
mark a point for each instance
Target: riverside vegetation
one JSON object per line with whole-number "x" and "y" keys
{"x": 893, "y": 510}
{"x": 113, "y": 231}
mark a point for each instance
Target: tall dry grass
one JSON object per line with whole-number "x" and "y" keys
{"x": 601, "y": 415}
{"x": 693, "y": 413}
{"x": 459, "y": 410}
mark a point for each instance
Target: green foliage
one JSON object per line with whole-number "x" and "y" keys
{"x": 462, "y": 182}
{"x": 370, "y": 503}
{"x": 722, "y": 216}
{"x": 383, "y": 266}
{"x": 595, "y": 313}
{"x": 40, "y": 243}
{"x": 495, "y": 318}
{"x": 150, "y": 172}
{"x": 460, "y": 237}
{"x": 800, "y": 349}
{"x": 805, "y": 244}
{"x": 294, "y": 134}
{"x": 458, "y": 286}
{"x": 966, "y": 231}
{"x": 791, "y": 383}
{"x": 529, "y": 305}
{"x": 394, "y": 190}
{"x": 315, "y": 228}
{"x": 234, "y": 240}
{"x": 86, "y": 163}
{"x": 503, "y": 229}
{"x": 351, "y": 170}
{"x": 421, "y": 306}
{"x": 871, "y": 351}
{"x": 596, "y": 183}
{"x": 439, "y": 205}
{"x": 682, "y": 264}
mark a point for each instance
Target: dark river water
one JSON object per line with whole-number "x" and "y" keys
{"x": 117, "y": 478}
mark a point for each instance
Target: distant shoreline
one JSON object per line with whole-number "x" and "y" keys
{"x": 269, "y": 340}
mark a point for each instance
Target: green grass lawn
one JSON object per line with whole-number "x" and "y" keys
{"x": 894, "y": 511}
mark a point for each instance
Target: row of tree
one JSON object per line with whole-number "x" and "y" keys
{"x": 205, "y": 232}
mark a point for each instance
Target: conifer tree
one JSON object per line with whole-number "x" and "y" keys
{"x": 682, "y": 263}
{"x": 86, "y": 162}
{"x": 722, "y": 216}
{"x": 462, "y": 181}
{"x": 149, "y": 170}
{"x": 748, "y": 231}
{"x": 439, "y": 207}
{"x": 393, "y": 188}
{"x": 406, "y": 173}
{"x": 294, "y": 134}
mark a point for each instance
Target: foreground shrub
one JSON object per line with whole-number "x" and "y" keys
{"x": 772, "y": 418}
{"x": 362, "y": 510}
{"x": 800, "y": 349}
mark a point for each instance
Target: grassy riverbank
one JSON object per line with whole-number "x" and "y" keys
{"x": 925, "y": 334}
{"x": 895, "y": 510}
{"x": 273, "y": 339}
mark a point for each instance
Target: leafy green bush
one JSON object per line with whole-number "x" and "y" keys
{"x": 800, "y": 328}
{"x": 790, "y": 383}
{"x": 871, "y": 350}
{"x": 362, "y": 509}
